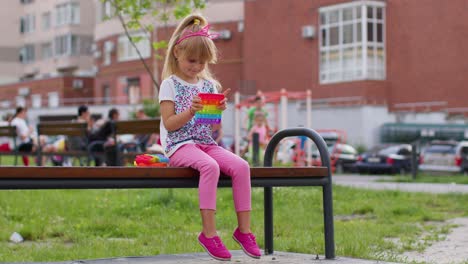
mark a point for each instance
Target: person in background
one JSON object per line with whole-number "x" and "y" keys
{"x": 101, "y": 137}
{"x": 257, "y": 108}
{"x": 259, "y": 127}
{"x": 24, "y": 140}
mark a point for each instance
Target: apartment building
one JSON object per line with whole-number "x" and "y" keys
{"x": 49, "y": 53}
{"x": 121, "y": 74}
{"x": 10, "y": 45}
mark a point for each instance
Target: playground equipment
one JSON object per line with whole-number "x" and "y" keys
{"x": 210, "y": 114}
{"x": 280, "y": 101}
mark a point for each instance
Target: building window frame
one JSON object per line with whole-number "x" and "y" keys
{"x": 66, "y": 45}
{"x": 27, "y": 23}
{"x": 67, "y": 14}
{"x": 27, "y": 54}
{"x": 46, "y": 21}
{"x": 352, "y": 42}
{"x": 126, "y": 51}
{"x": 47, "y": 50}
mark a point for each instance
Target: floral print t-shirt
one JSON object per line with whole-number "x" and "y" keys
{"x": 181, "y": 93}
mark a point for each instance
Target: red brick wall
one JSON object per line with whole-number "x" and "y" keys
{"x": 62, "y": 85}
{"x": 427, "y": 51}
{"x": 112, "y": 74}
{"x": 277, "y": 56}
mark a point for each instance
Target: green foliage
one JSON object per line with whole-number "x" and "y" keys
{"x": 151, "y": 108}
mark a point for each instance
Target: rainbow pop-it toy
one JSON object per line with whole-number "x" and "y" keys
{"x": 151, "y": 160}
{"x": 210, "y": 114}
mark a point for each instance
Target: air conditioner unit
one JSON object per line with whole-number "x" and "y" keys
{"x": 308, "y": 32}
{"x": 109, "y": 46}
{"x": 77, "y": 84}
{"x": 224, "y": 34}
{"x": 23, "y": 91}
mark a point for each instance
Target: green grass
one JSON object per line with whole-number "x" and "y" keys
{"x": 430, "y": 178}
{"x": 61, "y": 225}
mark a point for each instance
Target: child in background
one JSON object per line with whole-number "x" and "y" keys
{"x": 261, "y": 128}
{"x": 190, "y": 144}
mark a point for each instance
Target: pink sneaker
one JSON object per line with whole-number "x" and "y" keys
{"x": 215, "y": 247}
{"x": 248, "y": 243}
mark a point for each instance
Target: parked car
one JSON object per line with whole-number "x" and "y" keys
{"x": 445, "y": 156}
{"x": 391, "y": 158}
{"x": 342, "y": 157}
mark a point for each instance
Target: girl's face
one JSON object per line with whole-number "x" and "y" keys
{"x": 189, "y": 67}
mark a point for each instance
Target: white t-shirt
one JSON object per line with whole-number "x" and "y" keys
{"x": 167, "y": 93}
{"x": 22, "y": 129}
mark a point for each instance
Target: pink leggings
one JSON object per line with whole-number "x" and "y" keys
{"x": 210, "y": 160}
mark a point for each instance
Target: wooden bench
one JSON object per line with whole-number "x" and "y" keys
{"x": 135, "y": 177}
{"x": 134, "y": 127}
{"x": 79, "y": 130}
{"x": 70, "y": 130}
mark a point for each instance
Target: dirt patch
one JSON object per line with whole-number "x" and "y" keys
{"x": 451, "y": 250}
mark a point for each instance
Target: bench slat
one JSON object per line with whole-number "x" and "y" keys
{"x": 143, "y": 126}
{"x": 11, "y": 172}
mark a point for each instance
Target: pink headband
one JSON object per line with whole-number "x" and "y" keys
{"x": 203, "y": 32}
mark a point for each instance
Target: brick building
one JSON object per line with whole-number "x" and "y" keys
{"x": 408, "y": 58}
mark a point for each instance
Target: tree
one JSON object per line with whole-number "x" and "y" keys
{"x": 143, "y": 15}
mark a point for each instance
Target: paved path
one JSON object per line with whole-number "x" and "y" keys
{"x": 238, "y": 257}
{"x": 370, "y": 182}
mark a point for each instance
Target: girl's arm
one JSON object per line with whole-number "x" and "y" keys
{"x": 173, "y": 121}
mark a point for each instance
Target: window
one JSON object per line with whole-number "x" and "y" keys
{"x": 67, "y": 14}
{"x": 46, "y": 21}
{"x": 27, "y": 54}
{"x": 352, "y": 42}
{"x": 20, "y": 101}
{"x": 36, "y": 101}
{"x": 46, "y": 51}
{"x": 126, "y": 51}
{"x": 27, "y": 23}
{"x": 53, "y": 99}
{"x": 108, "y": 49}
{"x": 24, "y": 2}
{"x": 108, "y": 11}
{"x": 66, "y": 45}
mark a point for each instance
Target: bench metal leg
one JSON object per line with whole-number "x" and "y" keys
{"x": 328, "y": 221}
{"x": 268, "y": 218}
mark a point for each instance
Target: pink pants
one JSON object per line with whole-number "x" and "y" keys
{"x": 210, "y": 160}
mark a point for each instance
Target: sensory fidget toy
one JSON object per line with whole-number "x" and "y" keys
{"x": 151, "y": 160}
{"x": 210, "y": 114}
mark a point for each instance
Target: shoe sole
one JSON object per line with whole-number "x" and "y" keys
{"x": 211, "y": 255}
{"x": 243, "y": 249}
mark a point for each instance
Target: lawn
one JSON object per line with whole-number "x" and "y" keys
{"x": 61, "y": 225}
{"x": 431, "y": 178}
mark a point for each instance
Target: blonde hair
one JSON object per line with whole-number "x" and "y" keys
{"x": 201, "y": 48}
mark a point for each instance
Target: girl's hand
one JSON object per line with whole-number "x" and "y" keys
{"x": 196, "y": 104}
{"x": 223, "y": 103}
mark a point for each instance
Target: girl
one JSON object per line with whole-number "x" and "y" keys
{"x": 188, "y": 144}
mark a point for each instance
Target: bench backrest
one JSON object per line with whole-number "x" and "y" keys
{"x": 8, "y": 131}
{"x": 62, "y": 128}
{"x": 143, "y": 126}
